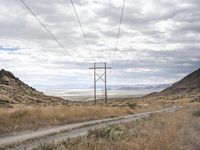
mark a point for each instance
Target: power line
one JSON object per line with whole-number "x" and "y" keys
{"x": 50, "y": 33}
{"x": 119, "y": 28}
{"x": 86, "y": 41}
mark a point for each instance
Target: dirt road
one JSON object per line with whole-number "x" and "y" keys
{"x": 30, "y": 139}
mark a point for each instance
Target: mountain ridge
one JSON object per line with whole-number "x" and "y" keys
{"x": 13, "y": 90}
{"x": 189, "y": 85}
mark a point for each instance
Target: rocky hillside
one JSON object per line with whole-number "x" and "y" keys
{"x": 13, "y": 90}
{"x": 189, "y": 85}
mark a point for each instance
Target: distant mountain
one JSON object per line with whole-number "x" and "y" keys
{"x": 13, "y": 90}
{"x": 145, "y": 87}
{"x": 189, "y": 85}
{"x": 43, "y": 87}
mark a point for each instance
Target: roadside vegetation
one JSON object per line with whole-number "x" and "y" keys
{"x": 172, "y": 131}
{"x": 34, "y": 117}
{"x": 26, "y": 117}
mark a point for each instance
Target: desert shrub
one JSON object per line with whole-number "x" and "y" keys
{"x": 112, "y": 133}
{"x": 47, "y": 146}
{"x": 196, "y": 99}
{"x": 132, "y": 105}
{"x": 196, "y": 113}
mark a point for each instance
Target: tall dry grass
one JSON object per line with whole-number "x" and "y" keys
{"x": 158, "y": 132}
{"x": 33, "y": 117}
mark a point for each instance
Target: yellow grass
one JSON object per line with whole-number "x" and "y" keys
{"x": 33, "y": 117}
{"x": 171, "y": 131}
{"x": 22, "y": 118}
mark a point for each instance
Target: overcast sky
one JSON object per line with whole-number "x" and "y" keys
{"x": 158, "y": 43}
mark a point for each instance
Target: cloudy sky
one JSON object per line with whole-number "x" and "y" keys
{"x": 158, "y": 43}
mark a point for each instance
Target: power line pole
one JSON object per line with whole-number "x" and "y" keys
{"x": 105, "y": 83}
{"x": 100, "y": 77}
{"x": 95, "y": 96}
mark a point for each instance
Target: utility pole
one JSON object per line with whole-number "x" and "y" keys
{"x": 95, "y": 96}
{"x": 100, "y": 77}
{"x": 105, "y": 83}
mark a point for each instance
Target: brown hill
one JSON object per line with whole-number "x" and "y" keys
{"x": 13, "y": 90}
{"x": 189, "y": 85}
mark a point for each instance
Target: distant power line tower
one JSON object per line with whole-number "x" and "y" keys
{"x": 100, "y": 77}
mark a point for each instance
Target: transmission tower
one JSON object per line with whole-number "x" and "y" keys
{"x": 98, "y": 77}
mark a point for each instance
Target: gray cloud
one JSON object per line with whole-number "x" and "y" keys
{"x": 158, "y": 40}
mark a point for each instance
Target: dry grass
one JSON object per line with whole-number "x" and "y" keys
{"x": 34, "y": 117}
{"x": 172, "y": 131}
{"x": 21, "y": 118}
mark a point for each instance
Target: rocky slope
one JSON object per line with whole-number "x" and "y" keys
{"x": 13, "y": 90}
{"x": 189, "y": 85}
